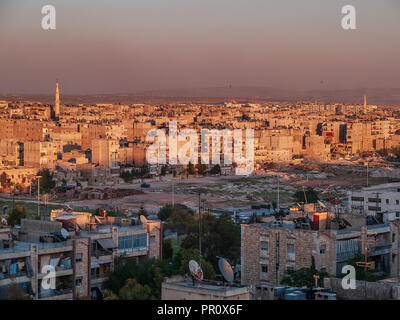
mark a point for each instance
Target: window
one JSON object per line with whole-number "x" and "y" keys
{"x": 132, "y": 242}
{"x": 397, "y": 201}
{"x": 264, "y": 268}
{"x": 393, "y": 237}
{"x": 78, "y": 281}
{"x": 387, "y": 201}
{"x": 264, "y": 246}
{"x": 322, "y": 249}
{"x": 78, "y": 257}
{"x": 290, "y": 251}
{"x": 397, "y": 214}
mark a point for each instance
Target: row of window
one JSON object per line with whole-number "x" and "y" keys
{"x": 264, "y": 247}
{"x": 361, "y": 199}
{"x": 132, "y": 242}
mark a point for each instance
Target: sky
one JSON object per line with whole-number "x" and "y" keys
{"x": 123, "y": 46}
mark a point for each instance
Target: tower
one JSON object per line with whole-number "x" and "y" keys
{"x": 57, "y": 102}
{"x": 365, "y": 105}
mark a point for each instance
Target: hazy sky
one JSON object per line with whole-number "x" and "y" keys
{"x": 104, "y": 46}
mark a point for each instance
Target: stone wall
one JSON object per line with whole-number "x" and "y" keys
{"x": 364, "y": 290}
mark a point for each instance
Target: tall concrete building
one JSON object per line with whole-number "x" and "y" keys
{"x": 57, "y": 102}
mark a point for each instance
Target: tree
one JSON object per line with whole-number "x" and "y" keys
{"x": 127, "y": 176}
{"x": 15, "y": 216}
{"x": 4, "y": 180}
{"x": 360, "y": 274}
{"x": 219, "y": 237}
{"x": 149, "y": 273}
{"x": 180, "y": 221}
{"x": 163, "y": 170}
{"x": 193, "y": 254}
{"x": 303, "y": 277}
{"x": 311, "y": 194}
{"x": 201, "y": 168}
{"x": 109, "y": 295}
{"x": 216, "y": 169}
{"x": 191, "y": 169}
{"x": 167, "y": 249}
{"x": 166, "y": 211}
{"x": 46, "y": 181}
{"x": 132, "y": 290}
{"x": 15, "y": 292}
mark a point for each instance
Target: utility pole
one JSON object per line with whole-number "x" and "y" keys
{"x": 38, "y": 194}
{"x": 199, "y": 230}
{"x": 277, "y": 202}
{"x": 173, "y": 193}
{"x": 365, "y": 263}
{"x": 367, "y": 173}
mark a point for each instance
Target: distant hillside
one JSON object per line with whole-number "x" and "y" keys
{"x": 389, "y": 96}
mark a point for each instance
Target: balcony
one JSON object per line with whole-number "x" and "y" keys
{"x": 378, "y": 250}
{"x": 54, "y": 293}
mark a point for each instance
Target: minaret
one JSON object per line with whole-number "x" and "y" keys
{"x": 365, "y": 105}
{"x": 57, "y": 104}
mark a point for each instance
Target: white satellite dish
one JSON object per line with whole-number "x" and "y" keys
{"x": 195, "y": 270}
{"x": 64, "y": 233}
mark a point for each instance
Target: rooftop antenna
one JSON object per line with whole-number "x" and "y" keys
{"x": 226, "y": 270}
{"x": 195, "y": 271}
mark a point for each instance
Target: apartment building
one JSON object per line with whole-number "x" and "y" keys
{"x": 81, "y": 260}
{"x": 381, "y": 201}
{"x": 270, "y": 249}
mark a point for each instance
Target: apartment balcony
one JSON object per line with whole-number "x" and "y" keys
{"x": 378, "y": 250}
{"x": 59, "y": 273}
{"x": 58, "y": 294}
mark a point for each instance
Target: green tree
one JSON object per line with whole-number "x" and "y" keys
{"x": 360, "y": 274}
{"x": 180, "y": 221}
{"x": 219, "y": 237}
{"x": 132, "y": 290}
{"x": 15, "y": 216}
{"x": 201, "y": 168}
{"x": 303, "y": 277}
{"x": 311, "y": 194}
{"x": 167, "y": 249}
{"x": 46, "y": 181}
{"x": 191, "y": 168}
{"x": 166, "y": 211}
{"x": 216, "y": 169}
{"x": 4, "y": 180}
{"x": 193, "y": 254}
{"x": 163, "y": 170}
{"x": 109, "y": 295}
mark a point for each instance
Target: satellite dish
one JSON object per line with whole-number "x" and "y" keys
{"x": 195, "y": 270}
{"x": 143, "y": 219}
{"x": 64, "y": 233}
{"x": 226, "y": 269}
